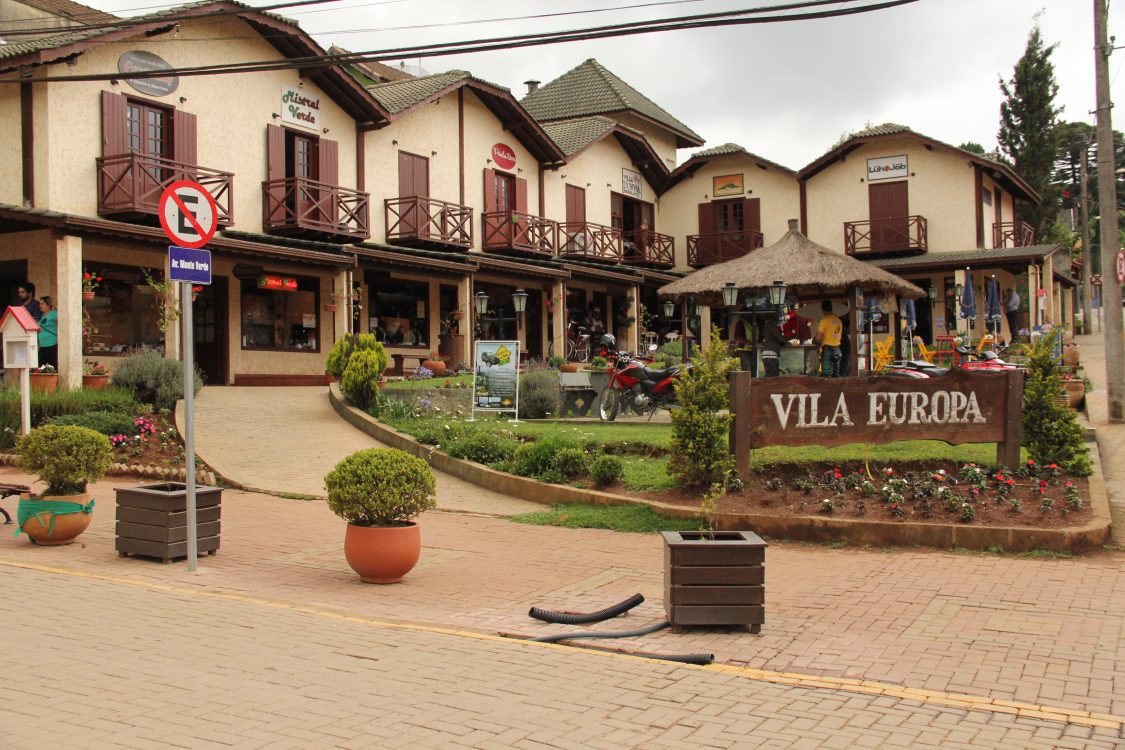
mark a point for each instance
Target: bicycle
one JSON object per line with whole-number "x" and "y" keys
{"x": 577, "y": 343}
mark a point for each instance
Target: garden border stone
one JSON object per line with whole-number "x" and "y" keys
{"x": 1081, "y": 538}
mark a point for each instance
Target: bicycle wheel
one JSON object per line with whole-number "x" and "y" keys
{"x": 608, "y": 404}
{"x": 583, "y": 350}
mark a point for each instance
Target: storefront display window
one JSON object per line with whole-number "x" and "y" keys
{"x": 399, "y": 311}
{"x": 280, "y": 312}
{"x": 123, "y": 313}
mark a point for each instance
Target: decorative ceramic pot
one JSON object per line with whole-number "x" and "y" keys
{"x": 44, "y": 382}
{"x": 382, "y": 554}
{"x": 568, "y": 367}
{"x": 95, "y": 382}
{"x": 50, "y": 527}
{"x": 436, "y": 366}
{"x": 87, "y": 296}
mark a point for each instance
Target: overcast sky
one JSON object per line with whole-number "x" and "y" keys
{"x": 785, "y": 91}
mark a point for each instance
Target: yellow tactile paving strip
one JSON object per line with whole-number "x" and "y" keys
{"x": 865, "y": 687}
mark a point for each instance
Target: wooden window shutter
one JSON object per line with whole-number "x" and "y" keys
{"x": 329, "y": 158}
{"x": 275, "y": 153}
{"x": 489, "y": 190}
{"x": 184, "y": 137}
{"x": 752, "y": 214}
{"x": 706, "y": 218}
{"x": 113, "y": 124}
{"x": 521, "y": 195}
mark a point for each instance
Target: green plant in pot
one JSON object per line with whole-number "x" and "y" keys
{"x": 65, "y": 458}
{"x": 379, "y": 492}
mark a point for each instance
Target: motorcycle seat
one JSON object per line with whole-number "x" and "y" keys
{"x": 658, "y": 375}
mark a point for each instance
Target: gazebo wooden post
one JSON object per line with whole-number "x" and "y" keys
{"x": 853, "y": 321}
{"x": 896, "y": 329}
{"x": 684, "y": 331}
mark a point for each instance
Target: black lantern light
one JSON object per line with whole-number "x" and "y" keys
{"x": 730, "y": 294}
{"x": 480, "y": 301}
{"x": 519, "y": 302}
{"x": 932, "y": 292}
{"x": 698, "y": 310}
{"x": 669, "y": 308}
{"x": 777, "y": 293}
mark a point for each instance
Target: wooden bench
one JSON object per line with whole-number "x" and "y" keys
{"x": 578, "y": 394}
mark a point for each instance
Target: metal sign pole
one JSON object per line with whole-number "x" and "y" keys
{"x": 189, "y": 421}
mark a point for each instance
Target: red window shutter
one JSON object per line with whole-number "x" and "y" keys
{"x": 184, "y": 137}
{"x": 489, "y": 190}
{"x": 275, "y": 153}
{"x": 521, "y": 195}
{"x": 706, "y": 218}
{"x": 329, "y": 157}
{"x": 113, "y": 124}
{"x": 752, "y": 214}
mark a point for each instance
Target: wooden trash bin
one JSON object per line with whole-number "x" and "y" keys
{"x": 152, "y": 520}
{"x": 714, "y": 578}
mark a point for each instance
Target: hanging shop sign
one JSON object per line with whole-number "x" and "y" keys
{"x": 503, "y": 156}
{"x": 277, "y": 283}
{"x": 297, "y": 108}
{"x": 496, "y": 385}
{"x": 138, "y": 61}
{"x": 726, "y": 185}
{"x": 630, "y": 183}
{"x": 887, "y": 168}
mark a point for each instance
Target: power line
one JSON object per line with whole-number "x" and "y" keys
{"x": 510, "y": 42}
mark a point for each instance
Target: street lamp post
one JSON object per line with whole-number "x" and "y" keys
{"x": 519, "y": 302}
{"x": 730, "y": 299}
{"x": 480, "y": 303}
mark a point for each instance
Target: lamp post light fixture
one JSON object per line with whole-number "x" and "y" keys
{"x": 669, "y": 308}
{"x": 480, "y": 301}
{"x": 697, "y": 309}
{"x": 730, "y": 294}
{"x": 777, "y": 293}
{"x": 932, "y": 292}
{"x": 519, "y": 302}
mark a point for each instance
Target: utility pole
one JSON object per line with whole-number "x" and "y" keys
{"x": 1087, "y": 251}
{"x": 1107, "y": 211}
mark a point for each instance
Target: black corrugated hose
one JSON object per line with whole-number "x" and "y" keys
{"x": 578, "y": 618}
{"x": 682, "y": 658}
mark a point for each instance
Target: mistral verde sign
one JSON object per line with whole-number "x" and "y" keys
{"x": 298, "y": 108}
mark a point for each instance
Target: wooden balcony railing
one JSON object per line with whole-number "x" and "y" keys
{"x": 426, "y": 222}
{"x": 899, "y": 235}
{"x": 516, "y": 231}
{"x": 130, "y": 185}
{"x": 1013, "y": 234}
{"x": 586, "y": 241}
{"x": 719, "y": 247}
{"x": 299, "y": 206}
{"x": 644, "y": 247}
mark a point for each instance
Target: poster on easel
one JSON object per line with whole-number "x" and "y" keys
{"x": 496, "y": 377}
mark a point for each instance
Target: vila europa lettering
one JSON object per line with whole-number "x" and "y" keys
{"x": 883, "y": 408}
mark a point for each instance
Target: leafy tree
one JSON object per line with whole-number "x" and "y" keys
{"x": 972, "y": 146}
{"x": 1076, "y": 138}
{"x": 700, "y": 426}
{"x": 1028, "y": 136}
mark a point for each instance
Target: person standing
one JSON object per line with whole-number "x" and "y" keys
{"x": 772, "y": 341}
{"x": 829, "y": 332}
{"x": 48, "y": 333}
{"x": 1012, "y": 312}
{"x": 26, "y": 292}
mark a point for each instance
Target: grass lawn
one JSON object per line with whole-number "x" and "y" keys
{"x": 629, "y": 518}
{"x": 429, "y": 383}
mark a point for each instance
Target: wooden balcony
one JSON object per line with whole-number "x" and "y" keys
{"x": 898, "y": 236}
{"x": 423, "y": 222}
{"x": 296, "y": 206}
{"x": 1013, "y": 234}
{"x": 644, "y": 247}
{"x": 130, "y": 185}
{"x": 517, "y": 232}
{"x": 585, "y": 241}
{"x": 719, "y": 247}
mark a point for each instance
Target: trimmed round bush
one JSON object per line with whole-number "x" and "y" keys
{"x": 105, "y": 422}
{"x": 341, "y": 352}
{"x": 380, "y": 487}
{"x": 153, "y": 378}
{"x": 360, "y": 383}
{"x": 539, "y": 394}
{"x": 66, "y": 457}
{"x": 606, "y": 470}
{"x": 570, "y": 462}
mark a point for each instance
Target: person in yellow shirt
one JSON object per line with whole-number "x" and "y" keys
{"x": 829, "y": 331}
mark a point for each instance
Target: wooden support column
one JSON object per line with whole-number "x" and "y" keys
{"x": 468, "y": 316}
{"x": 1008, "y": 449}
{"x": 853, "y": 322}
{"x": 684, "y": 331}
{"x": 68, "y": 304}
{"x": 705, "y": 327}
{"x": 740, "y": 381}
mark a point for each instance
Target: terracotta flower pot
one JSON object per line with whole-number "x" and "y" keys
{"x": 87, "y": 296}
{"x": 44, "y": 382}
{"x": 568, "y": 367}
{"x": 382, "y": 554}
{"x": 95, "y": 382}
{"x": 52, "y": 529}
{"x": 436, "y": 366}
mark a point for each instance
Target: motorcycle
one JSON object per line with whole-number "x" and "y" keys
{"x": 636, "y": 386}
{"x": 971, "y": 361}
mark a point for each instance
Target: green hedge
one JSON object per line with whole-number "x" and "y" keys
{"x": 44, "y": 406}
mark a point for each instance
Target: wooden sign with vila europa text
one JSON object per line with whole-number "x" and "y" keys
{"x": 959, "y": 407}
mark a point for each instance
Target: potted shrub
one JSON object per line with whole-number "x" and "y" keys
{"x": 379, "y": 491}
{"x": 44, "y": 380}
{"x": 94, "y": 375}
{"x": 66, "y": 458}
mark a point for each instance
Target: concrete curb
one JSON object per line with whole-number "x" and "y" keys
{"x": 806, "y": 528}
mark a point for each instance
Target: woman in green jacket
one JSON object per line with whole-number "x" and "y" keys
{"x": 48, "y": 334}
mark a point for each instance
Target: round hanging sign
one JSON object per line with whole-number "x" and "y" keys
{"x": 139, "y": 61}
{"x": 503, "y": 156}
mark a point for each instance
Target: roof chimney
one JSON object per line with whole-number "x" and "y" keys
{"x": 794, "y": 225}
{"x": 532, "y": 86}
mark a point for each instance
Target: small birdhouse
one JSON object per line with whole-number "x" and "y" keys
{"x": 21, "y": 339}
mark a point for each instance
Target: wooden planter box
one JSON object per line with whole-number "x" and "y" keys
{"x": 152, "y": 520}
{"x": 714, "y": 578}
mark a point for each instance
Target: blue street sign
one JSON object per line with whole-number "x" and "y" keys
{"x": 189, "y": 265}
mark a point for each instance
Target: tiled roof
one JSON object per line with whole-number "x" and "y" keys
{"x": 591, "y": 89}
{"x": 732, "y": 149}
{"x": 887, "y": 128}
{"x": 967, "y": 257}
{"x": 396, "y": 96}
{"x": 370, "y": 72}
{"x": 574, "y": 135}
{"x": 70, "y": 10}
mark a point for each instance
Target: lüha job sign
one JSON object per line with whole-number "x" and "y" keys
{"x": 496, "y": 385}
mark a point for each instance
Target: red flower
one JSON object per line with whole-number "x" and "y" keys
{"x": 1030, "y": 462}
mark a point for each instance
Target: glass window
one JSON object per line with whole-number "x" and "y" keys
{"x": 280, "y": 312}
{"x": 399, "y": 311}
{"x": 123, "y": 314}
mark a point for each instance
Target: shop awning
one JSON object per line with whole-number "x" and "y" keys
{"x": 578, "y": 269}
{"x": 520, "y": 266}
{"x": 981, "y": 257}
{"x": 373, "y": 255}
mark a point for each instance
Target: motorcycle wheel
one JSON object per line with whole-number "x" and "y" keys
{"x": 608, "y": 404}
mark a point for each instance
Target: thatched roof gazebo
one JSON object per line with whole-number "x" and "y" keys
{"x": 809, "y": 271}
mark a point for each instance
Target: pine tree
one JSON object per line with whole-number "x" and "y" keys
{"x": 1051, "y": 432}
{"x": 1028, "y": 136}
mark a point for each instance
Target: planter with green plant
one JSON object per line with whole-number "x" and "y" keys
{"x": 65, "y": 458}
{"x": 94, "y": 375}
{"x": 379, "y": 491}
{"x": 44, "y": 380}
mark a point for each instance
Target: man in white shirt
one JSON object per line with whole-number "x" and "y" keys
{"x": 1011, "y": 312}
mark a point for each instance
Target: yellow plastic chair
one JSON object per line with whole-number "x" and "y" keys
{"x": 926, "y": 353}
{"x": 986, "y": 342}
{"x": 883, "y": 355}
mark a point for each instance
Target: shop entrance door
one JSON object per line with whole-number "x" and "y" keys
{"x": 924, "y": 313}
{"x": 889, "y": 207}
{"x": 209, "y": 329}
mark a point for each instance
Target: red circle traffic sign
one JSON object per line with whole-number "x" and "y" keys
{"x": 1121, "y": 266}
{"x": 188, "y": 214}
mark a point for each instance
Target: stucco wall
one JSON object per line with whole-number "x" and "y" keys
{"x": 11, "y": 147}
{"x": 941, "y": 188}
{"x": 662, "y": 141}
{"x": 232, "y": 112}
{"x": 778, "y": 191}
{"x": 1007, "y": 212}
{"x": 598, "y": 171}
